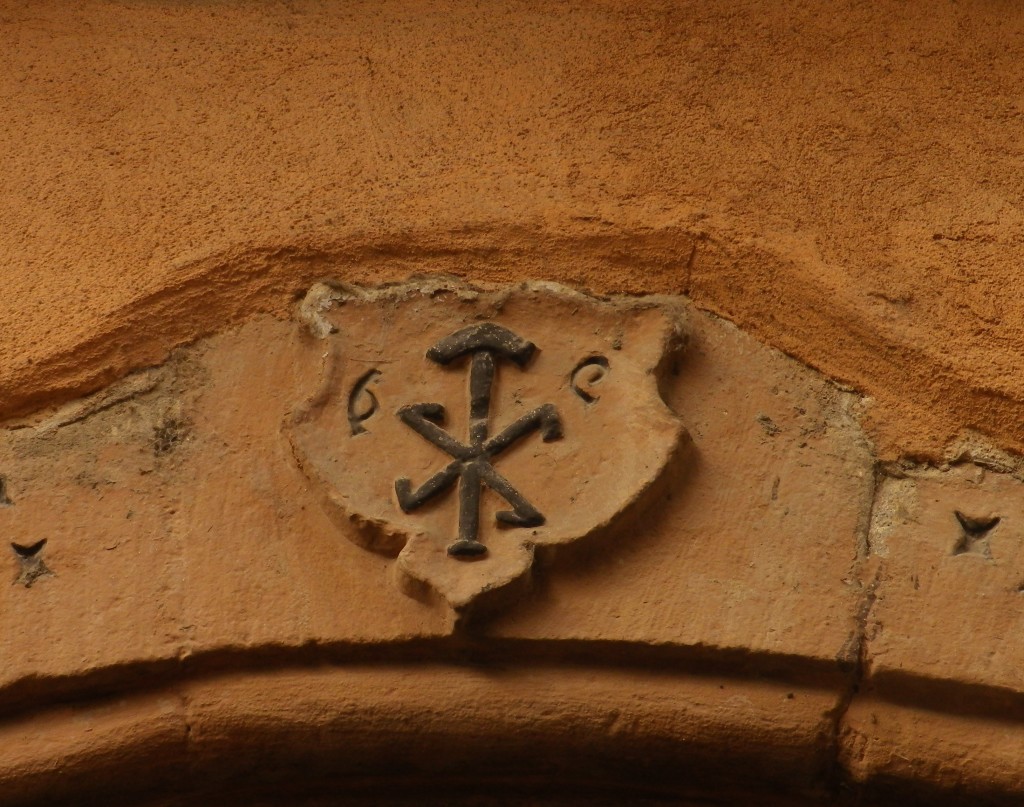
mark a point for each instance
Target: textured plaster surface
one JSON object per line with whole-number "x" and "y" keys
{"x": 846, "y": 184}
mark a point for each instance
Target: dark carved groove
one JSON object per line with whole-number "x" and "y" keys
{"x": 362, "y": 390}
{"x": 471, "y": 464}
{"x": 598, "y": 369}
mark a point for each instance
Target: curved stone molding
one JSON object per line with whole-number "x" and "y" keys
{"x": 440, "y": 732}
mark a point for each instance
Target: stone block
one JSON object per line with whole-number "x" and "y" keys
{"x": 754, "y": 545}
{"x": 950, "y": 581}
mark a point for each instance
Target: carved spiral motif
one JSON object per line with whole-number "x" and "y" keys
{"x": 362, "y": 403}
{"x": 590, "y": 372}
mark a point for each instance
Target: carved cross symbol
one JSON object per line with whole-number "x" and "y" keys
{"x": 472, "y": 464}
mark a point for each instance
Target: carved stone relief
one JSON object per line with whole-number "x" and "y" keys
{"x": 460, "y": 430}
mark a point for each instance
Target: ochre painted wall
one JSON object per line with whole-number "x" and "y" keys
{"x": 825, "y": 603}
{"x": 844, "y": 181}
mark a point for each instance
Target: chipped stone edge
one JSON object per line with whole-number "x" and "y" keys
{"x": 327, "y": 293}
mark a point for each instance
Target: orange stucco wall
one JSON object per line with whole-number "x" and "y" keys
{"x": 834, "y": 193}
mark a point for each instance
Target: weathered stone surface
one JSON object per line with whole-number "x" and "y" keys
{"x": 177, "y": 522}
{"x": 392, "y": 412}
{"x": 966, "y": 752}
{"x": 174, "y": 504}
{"x": 950, "y": 589}
{"x": 939, "y": 708}
{"x": 756, "y": 543}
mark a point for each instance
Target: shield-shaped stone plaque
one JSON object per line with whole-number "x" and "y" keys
{"x": 460, "y": 429}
